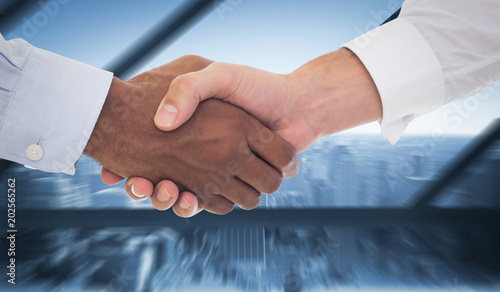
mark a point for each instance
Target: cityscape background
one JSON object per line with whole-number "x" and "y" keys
{"x": 342, "y": 171}
{"x": 77, "y": 234}
{"x": 337, "y": 171}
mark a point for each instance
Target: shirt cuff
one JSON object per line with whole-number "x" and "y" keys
{"x": 52, "y": 112}
{"x": 405, "y": 70}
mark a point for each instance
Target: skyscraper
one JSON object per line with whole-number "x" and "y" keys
{"x": 344, "y": 176}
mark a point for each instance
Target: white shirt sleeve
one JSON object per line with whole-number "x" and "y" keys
{"x": 48, "y": 106}
{"x": 436, "y": 51}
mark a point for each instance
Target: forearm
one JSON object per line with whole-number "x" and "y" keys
{"x": 97, "y": 144}
{"x": 335, "y": 92}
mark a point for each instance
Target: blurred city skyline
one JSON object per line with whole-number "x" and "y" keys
{"x": 338, "y": 171}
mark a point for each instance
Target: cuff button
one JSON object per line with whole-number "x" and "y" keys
{"x": 34, "y": 152}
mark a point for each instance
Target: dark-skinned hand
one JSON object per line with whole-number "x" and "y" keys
{"x": 222, "y": 154}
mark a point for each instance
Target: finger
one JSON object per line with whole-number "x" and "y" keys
{"x": 275, "y": 151}
{"x": 187, "y": 91}
{"x": 109, "y": 177}
{"x": 259, "y": 174}
{"x": 216, "y": 204}
{"x": 186, "y": 205}
{"x": 138, "y": 188}
{"x": 239, "y": 193}
{"x": 164, "y": 195}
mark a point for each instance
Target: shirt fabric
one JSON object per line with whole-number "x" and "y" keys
{"x": 48, "y": 103}
{"x": 436, "y": 51}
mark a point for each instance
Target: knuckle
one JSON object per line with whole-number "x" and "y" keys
{"x": 273, "y": 184}
{"x": 225, "y": 209}
{"x": 289, "y": 154}
{"x": 183, "y": 83}
{"x": 227, "y": 152}
{"x": 218, "y": 205}
{"x": 218, "y": 66}
{"x": 250, "y": 201}
{"x": 265, "y": 136}
{"x": 227, "y": 73}
{"x": 197, "y": 62}
{"x": 189, "y": 58}
{"x": 244, "y": 151}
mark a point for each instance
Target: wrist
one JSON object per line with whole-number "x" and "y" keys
{"x": 335, "y": 92}
{"x": 97, "y": 142}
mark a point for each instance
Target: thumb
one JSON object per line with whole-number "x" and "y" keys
{"x": 188, "y": 90}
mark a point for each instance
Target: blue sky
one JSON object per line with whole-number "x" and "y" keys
{"x": 278, "y": 36}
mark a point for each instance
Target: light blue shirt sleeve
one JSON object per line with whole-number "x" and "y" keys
{"x": 49, "y": 106}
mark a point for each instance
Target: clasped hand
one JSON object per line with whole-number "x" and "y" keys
{"x": 221, "y": 155}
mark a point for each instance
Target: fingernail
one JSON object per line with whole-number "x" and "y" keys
{"x": 184, "y": 204}
{"x": 164, "y": 196}
{"x": 167, "y": 115}
{"x": 136, "y": 192}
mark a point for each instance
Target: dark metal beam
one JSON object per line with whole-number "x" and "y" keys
{"x": 4, "y": 165}
{"x": 13, "y": 14}
{"x": 165, "y": 32}
{"x": 100, "y": 218}
{"x": 458, "y": 165}
{"x": 392, "y": 17}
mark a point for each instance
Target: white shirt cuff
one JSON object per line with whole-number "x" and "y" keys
{"x": 405, "y": 70}
{"x": 52, "y": 112}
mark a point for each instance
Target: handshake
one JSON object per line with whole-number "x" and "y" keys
{"x": 220, "y": 157}
{"x": 196, "y": 134}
